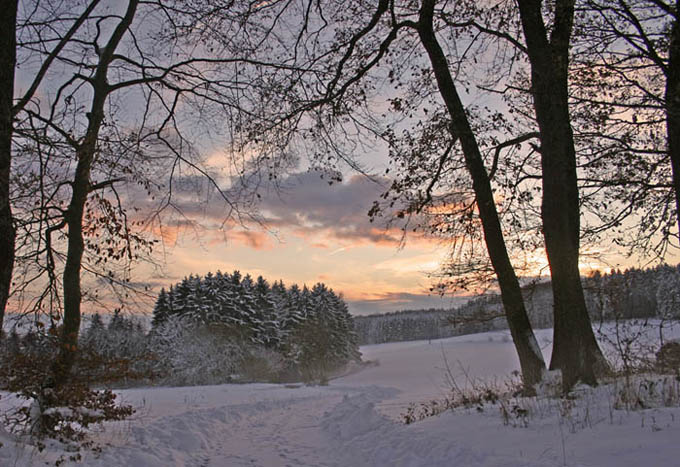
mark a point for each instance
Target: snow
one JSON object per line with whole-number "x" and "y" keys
{"x": 354, "y": 421}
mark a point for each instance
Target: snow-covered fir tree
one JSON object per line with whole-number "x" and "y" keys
{"x": 306, "y": 328}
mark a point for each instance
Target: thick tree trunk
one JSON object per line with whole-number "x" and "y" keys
{"x": 575, "y": 349}
{"x": 7, "y": 231}
{"x": 531, "y": 359}
{"x": 80, "y": 187}
{"x": 672, "y": 99}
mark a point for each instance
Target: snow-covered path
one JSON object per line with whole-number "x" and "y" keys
{"x": 269, "y": 430}
{"x": 322, "y": 427}
{"x": 352, "y": 422}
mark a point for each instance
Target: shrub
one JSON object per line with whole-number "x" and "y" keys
{"x": 668, "y": 356}
{"x": 262, "y": 364}
{"x": 63, "y": 412}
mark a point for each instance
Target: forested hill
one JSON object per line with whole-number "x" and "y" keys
{"x": 633, "y": 293}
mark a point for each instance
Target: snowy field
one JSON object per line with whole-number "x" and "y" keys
{"x": 354, "y": 421}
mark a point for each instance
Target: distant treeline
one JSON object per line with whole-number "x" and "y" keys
{"x": 631, "y": 293}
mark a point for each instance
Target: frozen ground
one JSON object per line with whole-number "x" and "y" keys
{"x": 354, "y": 421}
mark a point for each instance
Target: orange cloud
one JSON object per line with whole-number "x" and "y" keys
{"x": 169, "y": 233}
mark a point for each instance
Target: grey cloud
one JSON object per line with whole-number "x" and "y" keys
{"x": 308, "y": 203}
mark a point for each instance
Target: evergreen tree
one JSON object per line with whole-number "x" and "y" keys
{"x": 95, "y": 332}
{"x": 118, "y": 322}
{"x": 161, "y": 310}
{"x": 246, "y": 310}
{"x": 344, "y": 329}
{"x": 265, "y": 313}
{"x": 229, "y": 309}
{"x": 293, "y": 310}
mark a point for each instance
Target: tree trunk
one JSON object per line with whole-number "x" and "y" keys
{"x": 80, "y": 187}
{"x": 575, "y": 349}
{"x": 7, "y": 231}
{"x": 672, "y": 100}
{"x": 531, "y": 359}
{"x": 74, "y": 256}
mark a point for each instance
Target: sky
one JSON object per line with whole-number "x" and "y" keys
{"x": 311, "y": 232}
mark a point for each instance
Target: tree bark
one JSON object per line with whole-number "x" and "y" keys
{"x": 575, "y": 349}
{"x": 80, "y": 187}
{"x": 672, "y": 100}
{"x": 7, "y": 231}
{"x": 531, "y": 359}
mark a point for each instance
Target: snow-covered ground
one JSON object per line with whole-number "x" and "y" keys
{"x": 354, "y": 421}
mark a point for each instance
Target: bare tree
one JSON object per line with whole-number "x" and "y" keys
{"x": 120, "y": 111}
{"x": 672, "y": 99}
{"x": 11, "y": 110}
{"x": 80, "y": 189}
{"x": 575, "y": 349}
{"x": 527, "y": 347}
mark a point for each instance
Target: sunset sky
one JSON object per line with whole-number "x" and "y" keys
{"x": 315, "y": 232}
{"x": 311, "y": 231}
